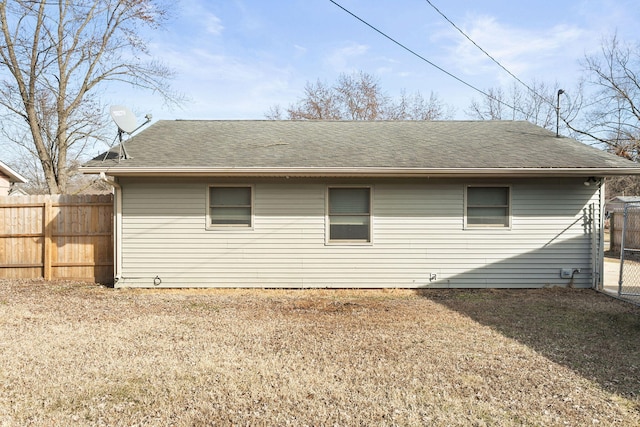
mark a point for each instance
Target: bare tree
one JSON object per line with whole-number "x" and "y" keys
{"x": 320, "y": 102}
{"x": 603, "y": 110}
{"x": 30, "y": 168}
{"x": 275, "y": 113}
{"x": 492, "y": 107}
{"x": 416, "y": 107}
{"x": 612, "y": 119}
{"x": 359, "y": 97}
{"x": 535, "y": 103}
{"x": 627, "y": 185}
{"x": 55, "y": 57}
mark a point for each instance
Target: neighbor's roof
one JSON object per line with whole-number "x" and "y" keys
{"x": 625, "y": 199}
{"x": 13, "y": 175}
{"x": 355, "y": 148}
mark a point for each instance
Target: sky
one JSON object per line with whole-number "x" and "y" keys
{"x": 235, "y": 59}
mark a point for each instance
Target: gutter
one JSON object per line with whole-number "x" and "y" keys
{"x": 117, "y": 227}
{"x": 361, "y": 172}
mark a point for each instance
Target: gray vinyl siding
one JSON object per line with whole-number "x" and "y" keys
{"x": 417, "y": 232}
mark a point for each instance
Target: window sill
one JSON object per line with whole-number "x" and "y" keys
{"x": 487, "y": 227}
{"x": 233, "y": 228}
{"x": 347, "y": 243}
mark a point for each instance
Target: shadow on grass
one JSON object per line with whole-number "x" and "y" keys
{"x": 588, "y": 332}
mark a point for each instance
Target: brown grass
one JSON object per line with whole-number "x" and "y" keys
{"x": 86, "y": 355}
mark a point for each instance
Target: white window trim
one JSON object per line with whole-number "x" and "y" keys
{"x": 327, "y": 221}
{"x": 467, "y": 226}
{"x": 229, "y": 227}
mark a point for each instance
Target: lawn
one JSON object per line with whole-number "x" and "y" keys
{"x": 81, "y": 354}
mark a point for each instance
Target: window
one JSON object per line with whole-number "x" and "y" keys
{"x": 349, "y": 214}
{"x": 230, "y": 207}
{"x": 488, "y": 207}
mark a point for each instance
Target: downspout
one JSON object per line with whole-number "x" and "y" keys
{"x": 595, "y": 247}
{"x": 600, "y": 283}
{"x": 597, "y": 238}
{"x": 117, "y": 227}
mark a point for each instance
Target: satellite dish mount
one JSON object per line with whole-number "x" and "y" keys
{"x": 126, "y": 122}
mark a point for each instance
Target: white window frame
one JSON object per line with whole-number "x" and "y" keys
{"x": 468, "y": 226}
{"x": 327, "y": 220}
{"x": 229, "y": 227}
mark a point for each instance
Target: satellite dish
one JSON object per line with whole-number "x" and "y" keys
{"x": 126, "y": 122}
{"x": 124, "y": 118}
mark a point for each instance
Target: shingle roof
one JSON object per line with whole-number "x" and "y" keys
{"x": 626, "y": 199}
{"x": 250, "y": 144}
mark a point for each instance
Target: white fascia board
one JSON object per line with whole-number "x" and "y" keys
{"x": 13, "y": 175}
{"x": 363, "y": 172}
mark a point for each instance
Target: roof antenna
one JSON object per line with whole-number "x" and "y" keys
{"x": 560, "y": 92}
{"x": 126, "y": 122}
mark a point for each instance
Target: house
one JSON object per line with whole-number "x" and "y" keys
{"x": 618, "y": 202}
{"x": 348, "y": 204}
{"x": 9, "y": 177}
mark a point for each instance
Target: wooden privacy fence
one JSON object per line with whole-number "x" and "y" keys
{"x": 616, "y": 224}
{"x": 57, "y": 237}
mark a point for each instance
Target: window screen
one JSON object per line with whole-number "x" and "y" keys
{"x": 488, "y": 206}
{"x": 229, "y": 206}
{"x": 349, "y": 214}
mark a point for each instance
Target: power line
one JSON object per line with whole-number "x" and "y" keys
{"x": 499, "y": 101}
{"x": 487, "y": 53}
{"x": 425, "y": 59}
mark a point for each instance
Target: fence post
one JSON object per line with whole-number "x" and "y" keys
{"x": 612, "y": 231}
{"x": 47, "y": 222}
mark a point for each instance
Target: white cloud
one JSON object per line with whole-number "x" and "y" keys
{"x": 213, "y": 24}
{"x": 524, "y": 52}
{"x": 222, "y": 86}
{"x": 196, "y": 17}
{"x": 342, "y": 59}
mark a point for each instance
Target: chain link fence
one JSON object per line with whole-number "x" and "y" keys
{"x": 629, "y": 281}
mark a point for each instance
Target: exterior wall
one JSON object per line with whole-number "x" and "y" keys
{"x": 5, "y": 185}
{"x": 418, "y": 238}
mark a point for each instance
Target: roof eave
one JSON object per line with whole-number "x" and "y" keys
{"x": 13, "y": 175}
{"x": 363, "y": 172}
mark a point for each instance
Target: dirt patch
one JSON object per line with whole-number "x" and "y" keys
{"x": 85, "y": 355}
